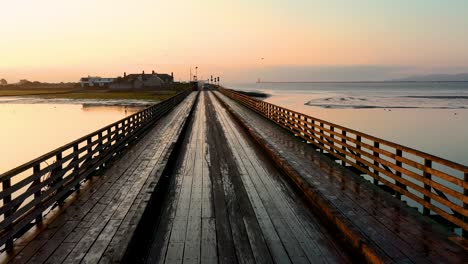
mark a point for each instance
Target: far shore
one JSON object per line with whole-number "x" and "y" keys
{"x": 97, "y": 94}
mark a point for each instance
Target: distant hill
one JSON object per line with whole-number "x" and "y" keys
{"x": 461, "y": 77}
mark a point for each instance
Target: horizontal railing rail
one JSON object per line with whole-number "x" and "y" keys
{"x": 29, "y": 191}
{"x": 434, "y": 184}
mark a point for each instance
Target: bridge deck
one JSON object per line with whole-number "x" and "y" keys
{"x": 97, "y": 222}
{"x": 212, "y": 195}
{"x": 229, "y": 204}
{"x": 378, "y": 223}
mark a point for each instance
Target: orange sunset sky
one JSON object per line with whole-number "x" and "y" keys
{"x": 54, "y": 40}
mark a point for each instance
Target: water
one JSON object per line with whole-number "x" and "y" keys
{"x": 431, "y": 117}
{"x": 33, "y": 128}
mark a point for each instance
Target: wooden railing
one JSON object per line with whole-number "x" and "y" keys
{"x": 29, "y": 191}
{"x": 435, "y": 184}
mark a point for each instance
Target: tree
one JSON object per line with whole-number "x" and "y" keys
{"x": 24, "y": 82}
{"x": 3, "y": 82}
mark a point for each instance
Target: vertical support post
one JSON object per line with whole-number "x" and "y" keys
{"x": 313, "y": 130}
{"x": 358, "y": 146}
{"x": 90, "y": 149}
{"x": 59, "y": 179}
{"x": 77, "y": 165}
{"x": 332, "y": 129}
{"x": 427, "y": 187}
{"x": 306, "y": 124}
{"x": 399, "y": 153}
{"x": 37, "y": 194}
{"x": 465, "y": 205}
{"x": 100, "y": 143}
{"x": 321, "y": 138}
{"x": 6, "y": 184}
{"x": 343, "y": 147}
{"x": 109, "y": 138}
{"x": 376, "y": 163}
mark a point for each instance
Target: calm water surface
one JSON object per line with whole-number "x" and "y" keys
{"x": 31, "y": 130}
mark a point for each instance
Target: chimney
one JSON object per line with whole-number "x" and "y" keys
{"x": 125, "y": 74}
{"x": 143, "y": 73}
{"x": 152, "y": 72}
{"x": 172, "y": 75}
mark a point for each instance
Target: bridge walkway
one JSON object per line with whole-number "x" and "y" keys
{"x": 214, "y": 182}
{"x": 96, "y": 223}
{"x": 376, "y": 224}
{"x": 227, "y": 203}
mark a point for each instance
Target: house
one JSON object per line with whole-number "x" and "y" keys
{"x": 166, "y": 77}
{"x": 95, "y": 82}
{"x": 141, "y": 81}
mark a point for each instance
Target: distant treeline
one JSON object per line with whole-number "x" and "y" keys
{"x": 24, "y": 84}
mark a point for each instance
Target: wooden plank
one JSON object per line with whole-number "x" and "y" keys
{"x": 238, "y": 210}
{"x": 208, "y": 241}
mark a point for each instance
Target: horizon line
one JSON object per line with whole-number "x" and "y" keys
{"x": 388, "y": 81}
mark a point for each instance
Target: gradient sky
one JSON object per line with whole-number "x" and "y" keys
{"x": 58, "y": 40}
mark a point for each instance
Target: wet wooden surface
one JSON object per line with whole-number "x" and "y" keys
{"x": 96, "y": 223}
{"x": 392, "y": 230}
{"x": 222, "y": 199}
{"x": 229, "y": 204}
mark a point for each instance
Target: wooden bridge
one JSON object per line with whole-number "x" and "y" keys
{"x": 219, "y": 177}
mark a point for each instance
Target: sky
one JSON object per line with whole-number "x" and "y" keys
{"x": 240, "y": 41}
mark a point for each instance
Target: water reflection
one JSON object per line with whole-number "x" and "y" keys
{"x": 30, "y": 130}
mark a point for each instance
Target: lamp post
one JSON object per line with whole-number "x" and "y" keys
{"x": 196, "y": 73}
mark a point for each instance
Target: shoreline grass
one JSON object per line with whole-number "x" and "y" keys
{"x": 101, "y": 94}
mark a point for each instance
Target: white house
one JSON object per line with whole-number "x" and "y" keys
{"x": 95, "y": 82}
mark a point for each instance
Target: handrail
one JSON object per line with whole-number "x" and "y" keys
{"x": 435, "y": 184}
{"x": 30, "y": 190}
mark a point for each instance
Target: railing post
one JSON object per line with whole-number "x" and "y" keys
{"x": 109, "y": 138}
{"x": 37, "y": 194}
{"x": 358, "y": 146}
{"x": 313, "y": 130}
{"x": 428, "y": 164}
{"x": 343, "y": 147}
{"x": 90, "y": 149}
{"x": 100, "y": 143}
{"x": 297, "y": 123}
{"x": 376, "y": 163}
{"x": 465, "y": 205}
{"x": 321, "y": 138}
{"x": 59, "y": 179}
{"x": 77, "y": 165}
{"x": 399, "y": 153}
{"x": 6, "y": 184}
